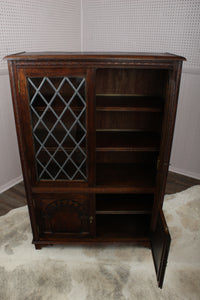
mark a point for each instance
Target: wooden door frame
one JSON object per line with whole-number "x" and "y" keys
{"x": 26, "y": 129}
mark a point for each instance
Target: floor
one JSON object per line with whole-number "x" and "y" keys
{"x": 15, "y": 196}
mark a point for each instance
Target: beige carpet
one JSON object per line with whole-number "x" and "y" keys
{"x": 67, "y": 272}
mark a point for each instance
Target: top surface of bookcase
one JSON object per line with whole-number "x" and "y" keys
{"x": 92, "y": 56}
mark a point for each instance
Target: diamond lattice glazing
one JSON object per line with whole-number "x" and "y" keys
{"x": 58, "y": 113}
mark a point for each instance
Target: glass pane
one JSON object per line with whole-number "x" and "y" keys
{"x": 58, "y": 114}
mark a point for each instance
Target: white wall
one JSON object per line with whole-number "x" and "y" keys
{"x": 160, "y": 26}
{"x": 37, "y": 25}
{"x": 27, "y": 25}
{"x": 10, "y": 170}
{"x": 185, "y": 156}
{"x": 143, "y": 25}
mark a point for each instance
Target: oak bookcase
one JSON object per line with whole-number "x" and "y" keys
{"x": 95, "y": 133}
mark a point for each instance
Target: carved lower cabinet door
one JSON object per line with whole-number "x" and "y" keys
{"x": 69, "y": 215}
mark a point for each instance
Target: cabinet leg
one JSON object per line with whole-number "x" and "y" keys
{"x": 38, "y": 247}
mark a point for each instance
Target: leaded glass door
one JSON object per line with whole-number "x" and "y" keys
{"x": 57, "y": 105}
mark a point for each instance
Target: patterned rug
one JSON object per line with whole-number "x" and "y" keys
{"x": 102, "y": 272}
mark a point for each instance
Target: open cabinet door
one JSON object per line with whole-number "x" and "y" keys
{"x": 160, "y": 244}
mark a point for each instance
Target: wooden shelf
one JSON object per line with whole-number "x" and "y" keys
{"x": 57, "y": 108}
{"x": 57, "y": 104}
{"x": 139, "y": 176}
{"x": 117, "y": 102}
{"x": 68, "y": 149}
{"x": 60, "y": 134}
{"x": 122, "y": 227}
{"x": 124, "y": 204}
{"x": 101, "y": 238}
{"x": 122, "y": 212}
{"x": 127, "y": 141}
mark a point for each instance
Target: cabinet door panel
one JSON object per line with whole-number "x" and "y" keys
{"x": 55, "y": 114}
{"x": 160, "y": 244}
{"x": 65, "y": 214}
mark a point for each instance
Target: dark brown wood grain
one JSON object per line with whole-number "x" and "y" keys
{"x": 160, "y": 243}
{"x": 130, "y": 102}
{"x": 90, "y": 55}
{"x": 14, "y": 81}
{"x": 127, "y": 141}
{"x": 167, "y": 137}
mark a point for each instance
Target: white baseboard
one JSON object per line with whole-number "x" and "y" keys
{"x": 184, "y": 172}
{"x": 10, "y": 183}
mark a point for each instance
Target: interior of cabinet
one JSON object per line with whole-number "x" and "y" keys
{"x": 124, "y": 204}
{"x": 121, "y": 227}
{"x": 129, "y": 112}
